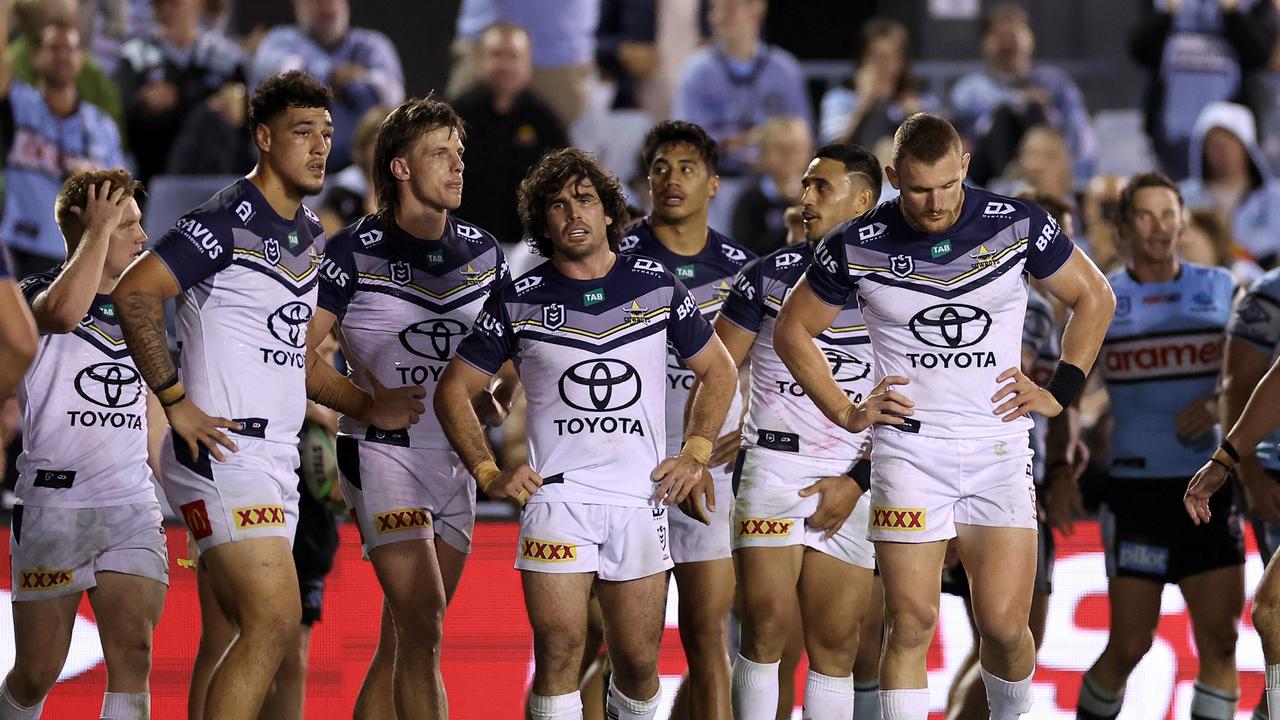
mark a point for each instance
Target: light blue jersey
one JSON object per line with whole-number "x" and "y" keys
{"x": 1256, "y": 321}
{"x": 1163, "y": 350}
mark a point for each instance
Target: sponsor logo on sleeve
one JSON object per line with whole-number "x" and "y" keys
{"x": 867, "y": 233}
{"x": 997, "y": 209}
{"x": 1047, "y": 233}
{"x": 897, "y": 519}
{"x": 823, "y": 258}
{"x": 334, "y": 274}
{"x": 734, "y": 253}
{"x": 525, "y": 284}
{"x": 200, "y": 236}
{"x": 547, "y": 550}
{"x": 743, "y": 285}
{"x": 369, "y": 238}
{"x": 488, "y": 324}
{"x": 468, "y": 231}
{"x": 244, "y": 211}
{"x": 247, "y": 518}
{"x": 687, "y": 307}
{"x": 764, "y": 527}
{"x": 401, "y": 519}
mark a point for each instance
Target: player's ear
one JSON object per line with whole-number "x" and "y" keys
{"x": 262, "y": 137}
{"x": 892, "y": 176}
{"x": 964, "y": 166}
{"x": 715, "y": 186}
{"x": 400, "y": 169}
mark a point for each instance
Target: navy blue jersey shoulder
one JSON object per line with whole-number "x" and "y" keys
{"x": 36, "y": 283}
{"x": 724, "y": 256}
{"x": 630, "y": 276}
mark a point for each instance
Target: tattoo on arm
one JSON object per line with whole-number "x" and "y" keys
{"x": 142, "y": 319}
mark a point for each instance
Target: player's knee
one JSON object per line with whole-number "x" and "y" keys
{"x": 422, "y": 630}
{"x": 636, "y": 663}
{"x": 832, "y": 648}
{"x": 131, "y": 652}
{"x": 910, "y": 625}
{"x": 1005, "y": 636}
{"x": 559, "y": 652}
{"x": 703, "y": 638}
{"x": 1130, "y": 647}
{"x": 33, "y": 677}
{"x": 1217, "y": 640}
{"x": 769, "y": 624}
{"x": 274, "y": 620}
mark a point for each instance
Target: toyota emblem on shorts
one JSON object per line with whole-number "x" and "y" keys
{"x": 845, "y": 367}
{"x": 289, "y": 323}
{"x": 951, "y": 326}
{"x": 109, "y": 384}
{"x": 600, "y": 385}
{"x": 432, "y": 339}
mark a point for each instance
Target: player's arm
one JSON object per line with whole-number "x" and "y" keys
{"x": 61, "y": 306}
{"x": 494, "y": 404}
{"x": 805, "y": 316}
{"x": 17, "y": 337}
{"x": 387, "y": 408}
{"x": 139, "y": 299}
{"x": 737, "y": 342}
{"x": 1244, "y": 366}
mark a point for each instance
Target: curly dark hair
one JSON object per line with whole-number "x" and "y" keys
{"x": 670, "y": 132}
{"x": 398, "y": 132}
{"x": 282, "y": 91}
{"x": 544, "y": 181}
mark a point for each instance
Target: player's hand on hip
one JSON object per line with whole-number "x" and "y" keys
{"x": 884, "y": 406}
{"x": 1195, "y": 420}
{"x": 1065, "y": 501}
{"x": 701, "y": 502}
{"x": 197, "y": 429}
{"x": 837, "y": 496}
{"x": 1022, "y": 397}
{"x": 514, "y": 485}
{"x": 395, "y": 408}
{"x": 677, "y": 477}
{"x": 726, "y": 448}
{"x": 1206, "y": 482}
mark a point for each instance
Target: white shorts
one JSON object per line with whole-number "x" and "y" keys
{"x": 691, "y": 541}
{"x": 397, "y": 493}
{"x": 921, "y": 486}
{"x": 616, "y": 543}
{"x": 57, "y": 551}
{"x": 252, "y": 494}
{"x": 769, "y": 512}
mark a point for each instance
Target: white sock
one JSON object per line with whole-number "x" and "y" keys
{"x": 909, "y": 704}
{"x": 126, "y": 706}
{"x": 1007, "y": 700}
{"x": 827, "y": 698}
{"x": 621, "y": 707}
{"x": 556, "y": 707}
{"x": 1211, "y": 703}
{"x": 11, "y": 710}
{"x": 755, "y": 689}
{"x": 1273, "y": 690}
{"x": 1097, "y": 701}
{"x": 866, "y": 700}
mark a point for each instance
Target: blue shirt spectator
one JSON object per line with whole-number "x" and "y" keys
{"x": 881, "y": 94}
{"x": 563, "y": 31}
{"x": 360, "y": 65}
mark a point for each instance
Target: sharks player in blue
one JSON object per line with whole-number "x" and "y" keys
{"x": 681, "y": 162}
{"x": 938, "y": 276}
{"x": 588, "y": 331}
{"x": 1161, "y": 360}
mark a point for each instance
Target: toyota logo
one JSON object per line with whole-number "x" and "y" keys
{"x": 602, "y": 385}
{"x": 432, "y": 339}
{"x": 289, "y": 323}
{"x": 951, "y": 326}
{"x": 845, "y": 367}
{"x": 112, "y": 385}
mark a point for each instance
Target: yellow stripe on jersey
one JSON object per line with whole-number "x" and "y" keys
{"x": 959, "y": 278}
{"x": 311, "y": 269}
{"x": 628, "y": 323}
{"x": 470, "y": 283}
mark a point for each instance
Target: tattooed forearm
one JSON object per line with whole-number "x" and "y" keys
{"x": 142, "y": 319}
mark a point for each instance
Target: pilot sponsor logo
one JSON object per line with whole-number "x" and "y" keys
{"x": 201, "y": 237}
{"x": 1143, "y": 558}
{"x": 402, "y": 519}
{"x": 764, "y": 527}
{"x": 547, "y": 550}
{"x": 591, "y": 297}
{"x": 38, "y": 579}
{"x": 247, "y": 518}
{"x": 1162, "y": 357}
{"x": 898, "y": 519}
{"x": 196, "y": 517}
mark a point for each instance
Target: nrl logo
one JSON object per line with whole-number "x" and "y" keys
{"x": 401, "y": 273}
{"x": 902, "y": 265}
{"x": 271, "y": 250}
{"x": 553, "y": 316}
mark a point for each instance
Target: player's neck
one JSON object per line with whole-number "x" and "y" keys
{"x": 424, "y": 223}
{"x": 592, "y": 267}
{"x": 62, "y": 101}
{"x": 741, "y": 47}
{"x": 107, "y": 283}
{"x": 1157, "y": 271}
{"x": 180, "y": 37}
{"x": 282, "y": 199}
{"x": 684, "y": 237}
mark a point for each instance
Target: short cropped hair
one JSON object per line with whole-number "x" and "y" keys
{"x": 402, "y": 128}
{"x": 1141, "y": 181}
{"x": 75, "y": 194}
{"x": 552, "y": 172}
{"x": 287, "y": 90}
{"x": 856, "y": 159}
{"x": 925, "y": 137}
{"x": 670, "y": 132}
{"x": 1000, "y": 14}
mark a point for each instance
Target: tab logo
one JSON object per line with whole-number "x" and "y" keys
{"x": 547, "y": 551}
{"x": 867, "y": 233}
{"x": 685, "y": 272}
{"x": 402, "y": 519}
{"x": 247, "y": 518}
{"x": 435, "y": 257}
{"x": 764, "y": 527}
{"x": 898, "y": 519}
{"x": 293, "y": 239}
{"x": 997, "y": 209}
{"x": 591, "y": 297}
{"x": 940, "y": 249}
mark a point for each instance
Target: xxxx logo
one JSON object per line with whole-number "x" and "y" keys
{"x": 42, "y": 579}
{"x": 888, "y": 518}
{"x": 764, "y": 527}
{"x": 545, "y": 551}
{"x": 259, "y": 516}
{"x": 197, "y": 519}
{"x": 404, "y": 519}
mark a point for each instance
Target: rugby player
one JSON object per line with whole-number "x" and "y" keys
{"x": 938, "y": 275}
{"x": 403, "y": 286}
{"x": 87, "y": 520}
{"x": 801, "y": 509}
{"x": 244, "y": 267}
{"x": 681, "y": 160}
{"x": 589, "y": 330}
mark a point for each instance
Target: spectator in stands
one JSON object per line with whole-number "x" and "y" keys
{"x": 51, "y": 133}
{"x": 868, "y": 108}
{"x": 1099, "y": 207}
{"x": 563, "y": 34}
{"x": 785, "y": 147}
{"x": 1042, "y": 166}
{"x": 995, "y": 106}
{"x": 738, "y": 82}
{"x": 1196, "y": 53}
{"x": 215, "y": 137}
{"x": 508, "y": 130}
{"x": 1207, "y": 240}
{"x": 92, "y": 84}
{"x": 626, "y": 49}
{"x": 360, "y": 65}
{"x": 1230, "y": 175}
{"x": 348, "y": 195}
{"x": 165, "y": 75}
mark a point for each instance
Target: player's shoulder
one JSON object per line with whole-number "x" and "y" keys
{"x": 1121, "y": 278}
{"x": 228, "y": 208}
{"x": 368, "y": 36}
{"x": 35, "y": 283}
{"x": 783, "y": 263}
{"x": 638, "y": 237}
{"x": 1212, "y": 273}
{"x": 367, "y": 233}
{"x": 475, "y": 236}
{"x": 1268, "y": 284}
{"x": 731, "y": 250}
{"x": 989, "y": 212}
{"x": 642, "y": 270}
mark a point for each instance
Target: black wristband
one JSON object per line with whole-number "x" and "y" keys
{"x": 166, "y": 384}
{"x": 1230, "y": 450}
{"x": 174, "y": 401}
{"x": 1066, "y": 383}
{"x": 861, "y": 474}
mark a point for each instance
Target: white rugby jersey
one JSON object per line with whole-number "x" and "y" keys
{"x": 592, "y": 356}
{"x": 780, "y": 415}
{"x": 84, "y": 415}
{"x": 248, "y": 279}
{"x": 403, "y": 305}
{"x": 946, "y": 309}
{"x": 708, "y": 276}
{"x": 1042, "y": 336}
